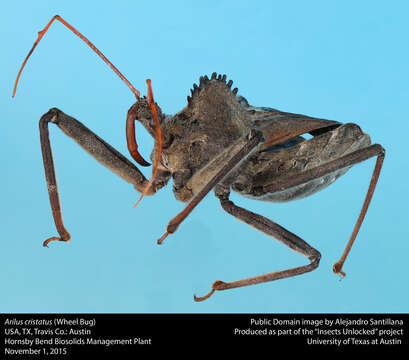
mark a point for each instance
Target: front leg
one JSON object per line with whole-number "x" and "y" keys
{"x": 104, "y": 153}
{"x": 269, "y": 228}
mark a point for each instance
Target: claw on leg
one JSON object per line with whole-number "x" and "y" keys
{"x": 217, "y": 285}
{"x": 55, "y": 238}
{"x": 196, "y": 298}
{"x": 164, "y": 236}
{"x": 337, "y": 269}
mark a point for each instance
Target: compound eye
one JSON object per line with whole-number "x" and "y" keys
{"x": 150, "y": 120}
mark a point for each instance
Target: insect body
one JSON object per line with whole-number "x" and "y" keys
{"x": 219, "y": 142}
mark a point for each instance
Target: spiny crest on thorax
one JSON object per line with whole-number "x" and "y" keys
{"x": 213, "y": 103}
{"x": 206, "y": 84}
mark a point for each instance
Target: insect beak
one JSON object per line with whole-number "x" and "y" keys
{"x": 130, "y": 136}
{"x": 159, "y": 140}
{"x": 147, "y": 113}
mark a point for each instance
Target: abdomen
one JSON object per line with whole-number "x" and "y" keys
{"x": 293, "y": 158}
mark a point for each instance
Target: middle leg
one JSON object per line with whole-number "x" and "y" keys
{"x": 272, "y": 229}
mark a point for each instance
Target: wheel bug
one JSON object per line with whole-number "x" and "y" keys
{"x": 221, "y": 142}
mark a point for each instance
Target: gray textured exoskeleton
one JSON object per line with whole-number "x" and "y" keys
{"x": 220, "y": 142}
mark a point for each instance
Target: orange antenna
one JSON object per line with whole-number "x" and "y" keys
{"x": 159, "y": 140}
{"x": 83, "y": 38}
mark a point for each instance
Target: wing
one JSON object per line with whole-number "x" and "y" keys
{"x": 278, "y": 127}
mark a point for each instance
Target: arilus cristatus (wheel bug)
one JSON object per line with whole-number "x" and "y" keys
{"x": 220, "y": 142}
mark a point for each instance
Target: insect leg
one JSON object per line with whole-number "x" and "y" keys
{"x": 324, "y": 169}
{"x": 213, "y": 173}
{"x": 272, "y": 229}
{"x": 99, "y": 150}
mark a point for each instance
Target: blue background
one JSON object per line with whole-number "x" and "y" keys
{"x": 341, "y": 60}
